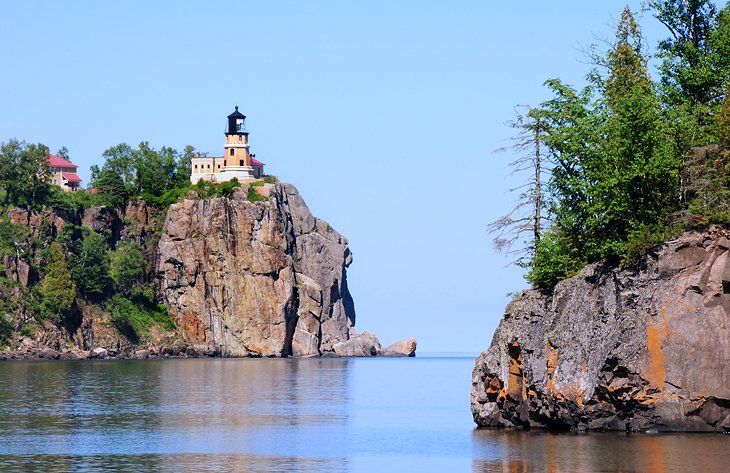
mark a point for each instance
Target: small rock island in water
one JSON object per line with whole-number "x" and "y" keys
{"x": 233, "y": 265}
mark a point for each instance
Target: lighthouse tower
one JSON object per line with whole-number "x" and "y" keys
{"x": 236, "y": 156}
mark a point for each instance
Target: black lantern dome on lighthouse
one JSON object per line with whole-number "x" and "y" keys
{"x": 236, "y": 123}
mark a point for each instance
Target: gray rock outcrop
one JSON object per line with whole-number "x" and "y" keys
{"x": 617, "y": 350}
{"x": 359, "y": 345}
{"x": 255, "y": 278}
{"x": 405, "y": 347}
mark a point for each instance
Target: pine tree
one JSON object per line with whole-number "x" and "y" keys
{"x": 58, "y": 289}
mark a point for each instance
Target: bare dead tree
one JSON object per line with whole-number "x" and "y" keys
{"x": 518, "y": 232}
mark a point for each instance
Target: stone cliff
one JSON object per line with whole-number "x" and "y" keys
{"x": 609, "y": 349}
{"x": 255, "y": 278}
{"x": 237, "y": 278}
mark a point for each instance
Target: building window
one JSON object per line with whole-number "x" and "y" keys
{"x": 231, "y": 151}
{"x": 240, "y": 163}
{"x": 196, "y": 166}
{"x": 240, "y": 137}
{"x": 219, "y": 166}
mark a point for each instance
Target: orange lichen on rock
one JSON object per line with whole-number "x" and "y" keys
{"x": 657, "y": 369}
{"x": 516, "y": 382}
{"x": 551, "y": 353}
{"x": 494, "y": 388}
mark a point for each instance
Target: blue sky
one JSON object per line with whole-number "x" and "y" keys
{"x": 383, "y": 113}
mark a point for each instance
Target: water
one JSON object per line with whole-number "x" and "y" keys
{"x": 306, "y": 415}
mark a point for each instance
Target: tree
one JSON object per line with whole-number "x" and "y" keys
{"x": 127, "y": 266}
{"x": 687, "y": 68}
{"x": 519, "y": 231}
{"x": 128, "y": 172}
{"x": 58, "y": 289}
{"x": 637, "y": 178}
{"x": 613, "y": 171}
{"x": 695, "y": 66}
{"x": 24, "y": 174}
{"x": 89, "y": 264}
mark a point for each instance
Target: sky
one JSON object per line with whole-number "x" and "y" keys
{"x": 384, "y": 114}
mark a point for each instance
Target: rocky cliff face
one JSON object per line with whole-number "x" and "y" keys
{"x": 247, "y": 278}
{"x": 617, "y": 350}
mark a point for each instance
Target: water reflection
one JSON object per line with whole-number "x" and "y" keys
{"x": 505, "y": 451}
{"x": 74, "y": 416}
{"x": 169, "y": 463}
{"x": 309, "y": 415}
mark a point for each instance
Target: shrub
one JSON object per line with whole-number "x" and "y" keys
{"x": 6, "y": 327}
{"x": 270, "y": 179}
{"x": 254, "y": 196}
{"x": 553, "y": 262}
{"x": 29, "y": 329}
{"x": 226, "y": 189}
{"x": 133, "y": 318}
{"x": 644, "y": 238}
{"x": 127, "y": 266}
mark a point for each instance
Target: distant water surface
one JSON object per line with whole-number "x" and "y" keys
{"x": 300, "y": 415}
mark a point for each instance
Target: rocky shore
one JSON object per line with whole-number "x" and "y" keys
{"x": 628, "y": 350}
{"x": 360, "y": 345}
{"x": 238, "y": 278}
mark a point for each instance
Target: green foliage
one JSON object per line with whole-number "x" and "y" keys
{"x": 58, "y": 289}
{"x": 89, "y": 264}
{"x": 644, "y": 238}
{"x": 695, "y": 65}
{"x": 168, "y": 198}
{"x": 207, "y": 189}
{"x": 24, "y": 174}
{"x": 133, "y": 318}
{"x": 6, "y": 326}
{"x": 28, "y": 329}
{"x": 128, "y": 172}
{"x": 270, "y": 179}
{"x": 10, "y": 235}
{"x": 254, "y": 196}
{"x": 227, "y": 188}
{"x": 257, "y": 183}
{"x": 723, "y": 120}
{"x": 554, "y": 260}
{"x": 71, "y": 201}
{"x": 127, "y": 266}
{"x": 614, "y": 171}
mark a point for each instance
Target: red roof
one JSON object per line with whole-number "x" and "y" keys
{"x": 256, "y": 162}
{"x": 71, "y": 177}
{"x": 59, "y": 162}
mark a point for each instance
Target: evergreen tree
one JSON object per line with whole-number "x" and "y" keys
{"x": 89, "y": 264}
{"x": 58, "y": 289}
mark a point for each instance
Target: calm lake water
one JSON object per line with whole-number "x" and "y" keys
{"x": 307, "y": 415}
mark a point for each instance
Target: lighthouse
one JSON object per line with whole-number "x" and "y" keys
{"x": 236, "y": 155}
{"x": 237, "y": 160}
